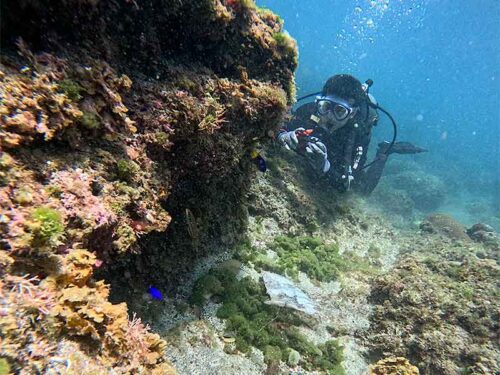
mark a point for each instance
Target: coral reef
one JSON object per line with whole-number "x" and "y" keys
{"x": 422, "y": 308}
{"x": 484, "y": 233}
{"x": 49, "y": 190}
{"x": 125, "y": 130}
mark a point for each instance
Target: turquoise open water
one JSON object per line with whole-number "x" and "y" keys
{"x": 435, "y": 66}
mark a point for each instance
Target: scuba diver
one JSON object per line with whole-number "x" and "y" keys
{"x": 334, "y": 132}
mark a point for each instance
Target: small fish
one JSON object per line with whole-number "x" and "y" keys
{"x": 24, "y": 69}
{"x": 259, "y": 161}
{"x": 155, "y": 293}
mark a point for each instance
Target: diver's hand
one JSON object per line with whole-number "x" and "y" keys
{"x": 289, "y": 139}
{"x": 317, "y": 155}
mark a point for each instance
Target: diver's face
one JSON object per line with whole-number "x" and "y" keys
{"x": 331, "y": 121}
{"x": 334, "y": 112}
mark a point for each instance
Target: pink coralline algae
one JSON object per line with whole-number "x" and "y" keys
{"x": 77, "y": 199}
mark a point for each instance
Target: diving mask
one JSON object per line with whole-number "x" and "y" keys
{"x": 339, "y": 108}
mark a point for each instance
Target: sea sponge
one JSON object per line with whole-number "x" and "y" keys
{"x": 78, "y": 268}
{"x": 393, "y": 366}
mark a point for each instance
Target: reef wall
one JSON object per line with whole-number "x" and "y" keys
{"x": 125, "y": 138}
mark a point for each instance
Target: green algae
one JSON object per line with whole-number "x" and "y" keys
{"x": 4, "y": 367}
{"x": 71, "y": 88}
{"x": 6, "y": 163}
{"x": 248, "y": 4}
{"x": 126, "y": 170}
{"x": 90, "y": 120}
{"x": 272, "y": 354}
{"x": 331, "y": 358}
{"x": 54, "y": 191}
{"x": 47, "y": 226}
{"x": 204, "y": 287}
{"x": 311, "y": 255}
{"x": 265, "y": 13}
{"x": 23, "y": 196}
{"x": 125, "y": 237}
{"x": 255, "y": 323}
{"x": 285, "y": 42}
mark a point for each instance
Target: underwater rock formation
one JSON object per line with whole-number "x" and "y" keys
{"x": 484, "y": 233}
{"x": 439, "y": 308}
{"x": 446, "y": 226}
{"x": 125, "y": 134}
{"x": 427, "y": 191}
{"x": 406, "y": 186}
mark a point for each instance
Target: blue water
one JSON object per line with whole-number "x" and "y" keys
{"x": 436, "y": 68}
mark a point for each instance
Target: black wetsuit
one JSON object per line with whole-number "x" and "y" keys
{"x": 342, "y": 146}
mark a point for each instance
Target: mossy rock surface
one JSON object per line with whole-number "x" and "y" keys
{"x": 443, "y": 297}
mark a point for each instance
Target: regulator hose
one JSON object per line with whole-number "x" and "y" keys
{"x": 394, "y": 135}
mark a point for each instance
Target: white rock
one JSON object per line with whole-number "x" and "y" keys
{"x": 284, "y": 292}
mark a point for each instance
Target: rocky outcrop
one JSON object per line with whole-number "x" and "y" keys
{"x": 125, "y": 136}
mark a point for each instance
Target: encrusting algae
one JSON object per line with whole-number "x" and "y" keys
{"x": 42, "y": 319}
{"x": 108, "y": 136}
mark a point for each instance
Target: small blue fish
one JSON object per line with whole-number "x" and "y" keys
{"x": 259, "y": 161}
{"x": 155, "y": 293}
